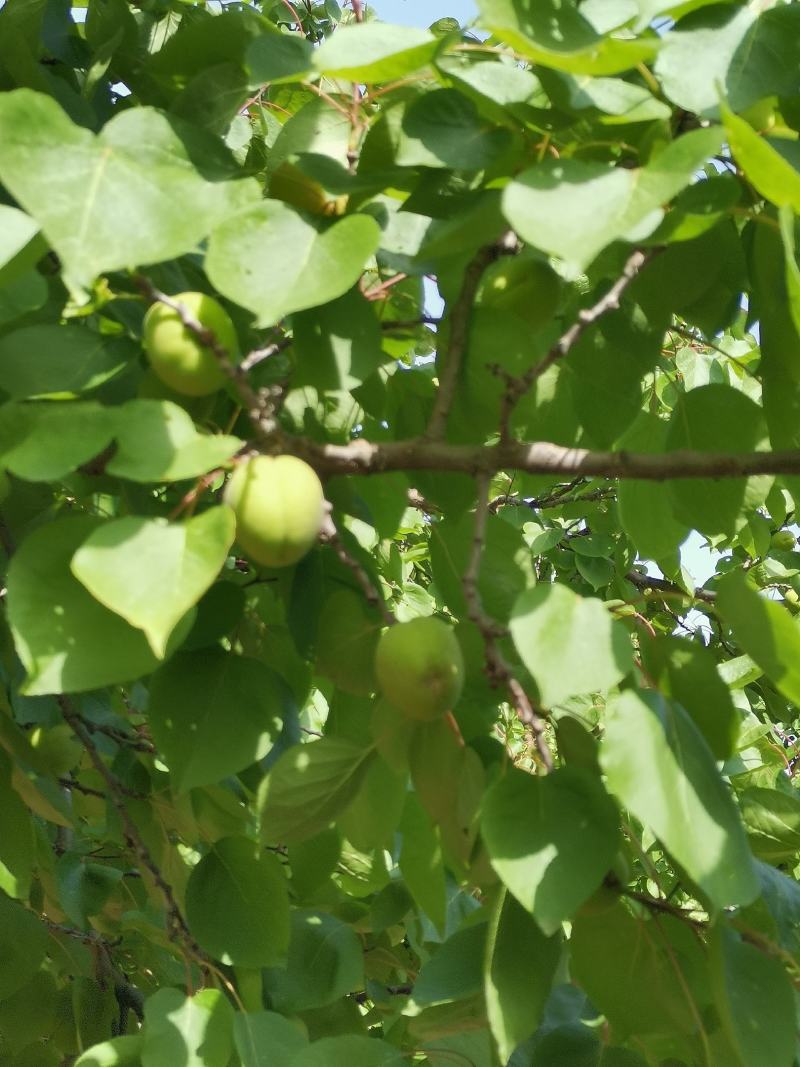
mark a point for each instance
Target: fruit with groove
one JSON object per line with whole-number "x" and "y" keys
{"x": 420, "y": 668}
{"x": 783, "y": 540}
{"x": 177, "y": 355}
{"x": 279, "y": 506}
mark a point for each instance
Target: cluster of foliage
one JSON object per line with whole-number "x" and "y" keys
{"x": 229, "y": 837}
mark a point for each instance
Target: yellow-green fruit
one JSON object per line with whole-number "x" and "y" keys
{"x": 177, "y": 355}
{"x": 783, "y": 540}
{"x": 347, "y": 638}
{"x": 279, "y": 506}
{"x": 420, "y": 668}
{"x": 57, "y": 750}
{"x": 525, "y": 286}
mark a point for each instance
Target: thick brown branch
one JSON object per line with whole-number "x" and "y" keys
{"x": 497, "y": 669}
{"x": 177, "y": 923}
{"x": 535, "y": 457}
{"x": 459, "y": 320}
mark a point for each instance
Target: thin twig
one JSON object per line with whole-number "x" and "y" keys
{"x": 330, "y": 535}
{"x": 177, "y": 925}
{"x": 497, "y": 668}
{"x": 517, "y": 387}
{"x": 649, "y": 581}
{"x": 259, "y": 355}
{"x": 459, "y": 332}
{"x": 358, "y": 11}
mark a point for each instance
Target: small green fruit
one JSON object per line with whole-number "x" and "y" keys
{"x": 279, "y": 506}
{"x": 57, "y": 749}
{"x": 783, "y": 540}
{"x": 420, "y": 668}
{"x": 523, "y": 285}
{"x": 347, "y": 638}
{"x": 176, "y": 354}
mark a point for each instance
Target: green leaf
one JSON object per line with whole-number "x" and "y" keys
{"x": 571, "y": 645}
{"x": 325, "y": 963}
{"x": 755, "y": 1001}
{"x": 372, "y": 817}
{"x": 272, "y": 261}
{"x": 774, "y": 176}
{"x": 214, "y": 713}
{"x": 42, "y": 442}
{"x": 375, "y": 52}
{"x": 84, "y": 887}
{"x": 309, "y": 786}
{"x": 17, "y": 843}
{"x": 455, "y": 971}
{"x": 658, "y": 764}
{"x": 59, "y": 627}
{"x": 555, "y": 34}
{"x": 686, "y": 671}
{"x": 266, "y": 1039}
{"x": 772, "y": 821}
{"x": 237, "y": 905}
{"x": 717, "y": 418}
{"x": 520, "y": 967}
{"x": 644, "y": 508}
{"x": 128, "y": 197}
{"x": 17, "y": 235}
{"x": 150, "y": 571}
{"x": 765, "y": 630}
{"x": 574, "y": 209}
{"x": 49, "y": 360}
{"x": 278, "y": 57}
{"x": 555, "y": 857}
{"x": 734, "y": 50}
{"x": 644, "y": 975}
{"x": 350, "y": 1050}
{"x": 23, "y": 943}
{"x": 157, "y": 442}
{"x": 118, "y": 1052}
{"x": 337, "y": 346}
{"x": 192, "y": 1031}
{"x": 444, "y": 129}
{"x": 421, "y": 863}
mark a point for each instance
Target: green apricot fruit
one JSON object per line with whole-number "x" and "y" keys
{"x": 420, "y": 668}
{"x": 177, "y": 356}
{"x": 279, "y": 507}
{"x": 347, "y": 638}
{"x": 523, "y": 285}
{"x": 57, "y": 749}
{"x": 783, "y": 540}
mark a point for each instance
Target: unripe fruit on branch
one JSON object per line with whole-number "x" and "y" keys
{"x": 279, "y": 507}
{"x": 347, "y": 637}
{"x": 523, "y": 285}
{"x": 783, "y": 540}
{"x": 57, "y": 749}
{"x": 420, "y": 668}
{"x": 177, "y": 355}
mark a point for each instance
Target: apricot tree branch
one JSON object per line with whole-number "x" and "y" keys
{"x": 360, "y": 456}
{"x": 497, "y": 668}
{"x": 330, "y": 535}
{"x": 459, "y": 322}
{"x": 179, "y": 929}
